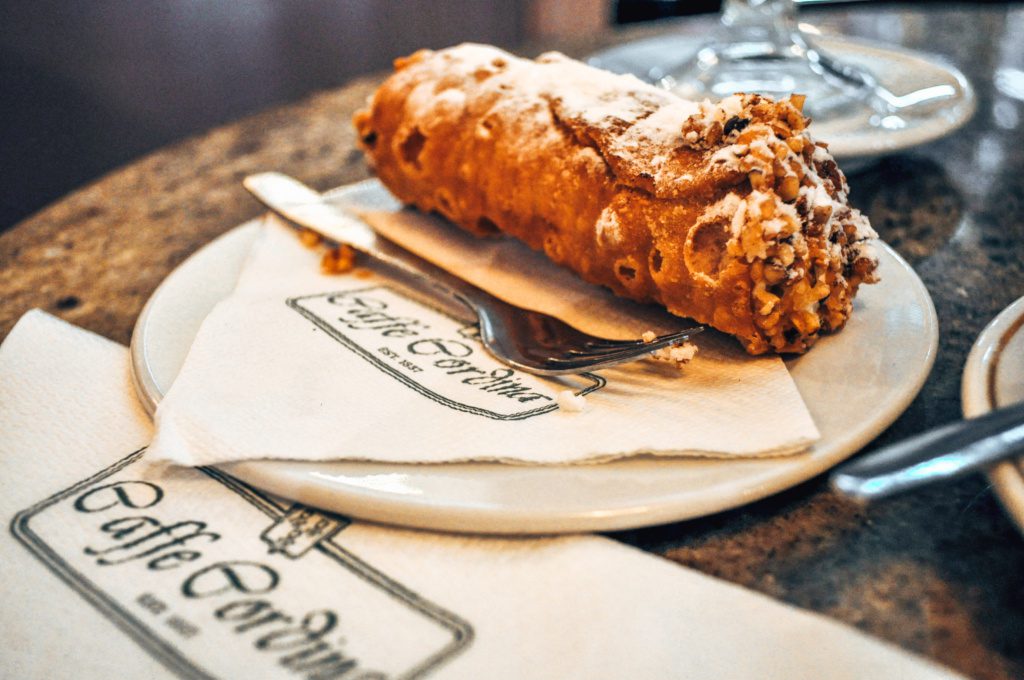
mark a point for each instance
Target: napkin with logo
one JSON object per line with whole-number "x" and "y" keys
{"x": 131, "y": 570}
{"x": 296, "y": 364}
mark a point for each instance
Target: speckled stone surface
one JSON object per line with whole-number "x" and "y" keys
{"x": 939, "y": 572}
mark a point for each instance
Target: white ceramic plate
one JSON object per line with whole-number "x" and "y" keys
{"x": 852, "y": 140}
{"x": 855, "y": 384}
{"x": 994, "y": 377}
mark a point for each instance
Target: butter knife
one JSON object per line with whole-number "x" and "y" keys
{"x": 943, "y": 453}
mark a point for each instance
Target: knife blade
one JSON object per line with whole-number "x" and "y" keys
{"x": 300, "y": 205}
{"x": 307, "y": 208}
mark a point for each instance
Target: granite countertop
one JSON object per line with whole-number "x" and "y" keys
{"x": 939, "y": 572}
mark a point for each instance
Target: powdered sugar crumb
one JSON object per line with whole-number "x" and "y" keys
{"x": 608, "y": 229}
{"x": 570, "y": 402}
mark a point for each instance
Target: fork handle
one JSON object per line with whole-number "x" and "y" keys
{"x": 935, "y": 455}
{"x": 295, "y": 202}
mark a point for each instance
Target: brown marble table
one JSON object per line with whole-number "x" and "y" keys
{"x": 939, "y": 572}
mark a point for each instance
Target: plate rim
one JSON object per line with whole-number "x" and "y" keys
{"x": 976, "y": 398}
{"x": 369, "y": 504}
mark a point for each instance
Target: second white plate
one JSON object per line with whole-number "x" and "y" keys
{"x": 993, "y": 378}
{"x": 855, "y": 384}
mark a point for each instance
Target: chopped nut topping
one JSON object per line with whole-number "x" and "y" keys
{"x": 310, "y": 238}
{"x": 338, "y": 260}
{"x": 680, "y": 355}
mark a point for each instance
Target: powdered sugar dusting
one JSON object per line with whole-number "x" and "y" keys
{"x": 608, "y": 229}
{"x": 637, "y": 126}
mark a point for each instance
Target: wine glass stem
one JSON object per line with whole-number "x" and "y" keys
{"x": 770, "y": 23}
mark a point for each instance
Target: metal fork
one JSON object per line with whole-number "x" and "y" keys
{"x": 883, "y": 100}
{"x": 524, "y": 339}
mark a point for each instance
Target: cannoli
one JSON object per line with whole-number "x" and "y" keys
{"x": 727, "y": 213}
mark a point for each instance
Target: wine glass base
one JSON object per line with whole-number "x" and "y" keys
{"x": 854, "y": 132}
{"x": 717, "y": 72}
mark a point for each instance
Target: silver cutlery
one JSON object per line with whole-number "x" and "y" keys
{"x": 936, "y": 455}
{"x": 524, "y": 339}
{"x": 883, "y": 100}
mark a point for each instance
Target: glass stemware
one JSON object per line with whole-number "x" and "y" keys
{"x": 760, "y": 47}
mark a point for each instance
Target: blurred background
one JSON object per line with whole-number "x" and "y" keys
{"x": 88, "y": 85}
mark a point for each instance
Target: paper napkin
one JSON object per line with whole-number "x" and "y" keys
{"x": 115, "y": 568}
{"x": 295, "y": 364}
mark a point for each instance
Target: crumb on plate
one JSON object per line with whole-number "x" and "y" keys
{"x": 680, "y": 355}
{"x": 573, "y": 403}
{"x": 338, "y": 260}
{"x": 310, "y": 238}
